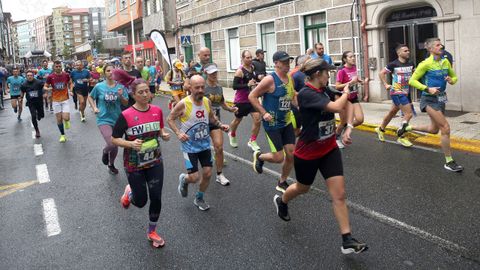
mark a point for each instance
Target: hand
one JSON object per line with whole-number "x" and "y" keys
{"x": 136, "y": 145}
{"x": 165, "y": 136}
{"x": 346, "y": 139}
{"x": 354, "y": 80}
{"x": 267, "y": 117}
{"x": 71, "y": 93}
{"x": 96, "y": 110}
{"x": 346, "y": 89}
{"x": 233, "y": 109}
{"x": 365, "y": 98}
{"x": 225, "y": 128}
{"x": 183, "y": 137}
{"x": 433, "y": 90}
{"x": 449, "y": 79}
{"x": 388, "y": 86}
{"x": 120, "y": 92}
{"x": 252, "y": 82}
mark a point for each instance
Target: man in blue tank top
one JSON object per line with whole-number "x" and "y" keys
{"x": 278, "y": 93}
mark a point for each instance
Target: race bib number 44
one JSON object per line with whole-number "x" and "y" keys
{"x": 149, "y": 152}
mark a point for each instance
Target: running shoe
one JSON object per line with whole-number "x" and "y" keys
{"x": 67, "y": 124}
{"x": 182, "y": 185}
{"x": 402, "y": 130}
{"x": 51, "y": 109}
{"x": 339, "y": 142}
{"x": 222, "y": 180}
{"x": 404, "y": 141}
{"x": 453, "y": 166}
{"x": 253, "y": 145}
{"x": 82, "y": 119}
{"x": 125, "y": 199}
{"x": 156, "y": 240}
{"x": 15, "y": 110}
{"x": 62, "y": 139}
{"x": 380, "y": 133}
{"x": 76, "y": 106}
{"x": 19, "y": 118}
{"x": 282, "y": 186}
{"x": 257, "y": 163}
{"x": 201, "y": 204}
{"x": 105, "y": 158}
{"x": 112, "y": 169}
{"x": 282, "y": 208}
{"x": 353, "y": 246}
{"x": 233, "y": 140}
{"x": 37, "y": 134}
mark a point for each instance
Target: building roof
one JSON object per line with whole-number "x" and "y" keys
{"x": 73, "y": 11}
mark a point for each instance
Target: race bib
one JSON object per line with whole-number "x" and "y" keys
{"x": 201, "y": 132}
{"x": 111, "y": 97}
{"x": 284, "y": 104}
{"x": 80, "y": 81}
{"x": 33, "y": 94}
{"x": 149, "y": 152}
{"x": 326, "y": 129}
{"x": 443, "y": 98}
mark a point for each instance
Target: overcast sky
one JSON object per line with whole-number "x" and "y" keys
{"x": 31, "y": 9}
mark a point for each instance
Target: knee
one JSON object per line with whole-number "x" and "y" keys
{"x": 359, "y": 119}
{"x": 339, "y": 196}
{"x": 193, "y": 177}
{"x": 218, "y": 148}
{"x": 207, "y": 173}
{"x": 289, "y": 157}
{"x": 445, "y": 129}
{"x": 139, "y": 202}
{"x": 302, "y": 189}
{"x": 278, "y": 157}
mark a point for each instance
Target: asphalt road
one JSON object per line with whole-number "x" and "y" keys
{"x": 411, "y": 212}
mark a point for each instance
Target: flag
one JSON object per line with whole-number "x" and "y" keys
{"x": 161, "y": 45}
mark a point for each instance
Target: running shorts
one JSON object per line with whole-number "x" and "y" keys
{"x": 244, "y": 109}
{"x": 192, "y": 159}
{"x": 61, "y": 106}
{"x": 180, "y": 93}
{"x": 277, "y": 138}
{"x": 152, "y": 89}
{"x": 329, "y": 166}
{"x": 81, "y": 91}
{"x": 14, "y": 96}
{"x": 433, "y": 102}
{"x": 399, "y": 100}
{"x": 216, "y": 111}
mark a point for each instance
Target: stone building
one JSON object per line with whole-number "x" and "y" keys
{"x": 231, "y": 26}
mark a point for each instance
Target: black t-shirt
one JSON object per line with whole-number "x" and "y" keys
{"x": 33, "y": 90}
{"x": 135, "y": 73}
{"x": 260, "y": 67}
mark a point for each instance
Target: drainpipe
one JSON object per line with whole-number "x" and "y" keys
{"x": 366, "y": 69}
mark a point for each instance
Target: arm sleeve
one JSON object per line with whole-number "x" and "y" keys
{"x": 417, "y": 75}
{"x": 452, "y": 73}
{"x": 237, "y": 83}
{"x": 120, "y": 127}
{"x": 389, "y": 68}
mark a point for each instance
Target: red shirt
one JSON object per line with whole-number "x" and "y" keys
{"x": 59, "y": 84}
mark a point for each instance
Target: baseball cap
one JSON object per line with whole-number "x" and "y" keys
{"x": 210, "y": 68}
{"x": 179, "y": 65}
{"x": 260, "y": 51}
{"x": 323, "y": 65}
{"x": 281, "y": 56}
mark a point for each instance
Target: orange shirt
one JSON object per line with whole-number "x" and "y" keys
{"x": 59, "y": 84}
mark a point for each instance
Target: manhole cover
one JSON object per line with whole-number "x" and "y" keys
{"x": 469, "y": 122}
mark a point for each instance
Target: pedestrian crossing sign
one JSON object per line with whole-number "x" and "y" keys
{"x": 185, "y": 40}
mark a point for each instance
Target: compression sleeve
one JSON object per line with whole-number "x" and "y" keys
{"x": 237, "y": 83}
{"x": 417, "y": 75}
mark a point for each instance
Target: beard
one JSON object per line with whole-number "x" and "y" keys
{"x": 198, "y": 97}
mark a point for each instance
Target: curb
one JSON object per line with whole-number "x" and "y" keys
{"x": 457, "y": 143}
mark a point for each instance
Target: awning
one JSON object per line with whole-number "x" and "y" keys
{"x": 37, "y": 54}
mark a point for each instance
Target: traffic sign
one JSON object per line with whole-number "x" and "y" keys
{"x": 185, "y": 40}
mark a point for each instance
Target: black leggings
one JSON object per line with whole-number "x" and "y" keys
{"x": 37, "y": 113}
{"x": 138, "y": 183}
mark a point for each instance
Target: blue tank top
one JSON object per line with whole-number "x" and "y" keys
{"x": 278, "y": 103}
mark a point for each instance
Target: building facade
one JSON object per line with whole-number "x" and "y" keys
{"x": 228, "y": 27}
{"x": 160, "y": 15}
{"x": 23, "y": 37}
{"x": 40, "y": 32}
{"x": 58, "y": 42}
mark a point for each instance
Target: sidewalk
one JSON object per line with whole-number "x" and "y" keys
{"x": 465, "y": 127}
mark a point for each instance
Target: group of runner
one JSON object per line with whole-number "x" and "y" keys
{"x": 290, "y": 104}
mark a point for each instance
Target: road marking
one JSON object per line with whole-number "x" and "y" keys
{"x": 375, "y": 215}
{"x": 414, "y": 146}
{"x": 38, "y": 149}
{"x": 33, "y": 135}
{"x": 51, "y": 217}
{"x": 9, "y": 189}
{"x": 42, "y": 173}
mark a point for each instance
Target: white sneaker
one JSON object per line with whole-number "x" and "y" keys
{"x": 232, "y": 140}
{"x": 253, "y": 145}
{"x": 222, "y": 180}
{"x": 340, "y": 144}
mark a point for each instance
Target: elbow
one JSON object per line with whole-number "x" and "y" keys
{"x": 115, "y": 141}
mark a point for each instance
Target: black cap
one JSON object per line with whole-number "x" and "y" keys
{"x": 324, "y": 65}
{"x": 281, "y": 56}
{"x": 259, "y": 51}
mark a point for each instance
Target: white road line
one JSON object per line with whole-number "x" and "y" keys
{"x": 375, "y": 215}
{"x": 38, "y": 149}
{"x": 416, "y": 146}
{"x": 31, "y": 124}
{"x": 51, "y": 217}
{"x": 42, "y": 173}
{"x": 33, "y": 135}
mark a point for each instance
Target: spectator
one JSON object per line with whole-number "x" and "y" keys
{"x": 320, "y": 52}
{"x": 259, "y": 64}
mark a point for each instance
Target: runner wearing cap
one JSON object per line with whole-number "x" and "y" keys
{"x": 259, "y": 64}
{"x": 214, "y": 92}
{"x": 277, "y": 93}
{"x": 175, "y": 78}
{"x": 299, "y": 82}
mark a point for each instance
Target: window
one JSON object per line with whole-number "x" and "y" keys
{"x": 95, "y": 23}
{"x": 123, "y": 4}
{"x": 132, "y": 2}
{"x": 268, "y": 42}
{"x": 76, "y": 25}
{"x": 76, "y": 17}
{"x": 112, "y": 7}
{"x": 158, "y": 6}
{"x": 148, "y": 7}
{"x": 77, "y": 33}
{"x": 233, "y": 48}
{"x": 315, "y": 29}
{"x": 207, "y": 42}
{"x": 78, "y": 40}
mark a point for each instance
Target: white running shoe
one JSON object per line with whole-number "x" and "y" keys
{"x": 222, "y": 180}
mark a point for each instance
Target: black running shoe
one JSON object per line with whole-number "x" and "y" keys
{"x": 257, "y": 163}
{"x": 105, "y": 158}
{"x": 112, "y": 169}
{"x": 453, "y": 166}
{"x": 353, "y": 246}
{"x": 282, "y": 186}
{"x": 282, "y": 208}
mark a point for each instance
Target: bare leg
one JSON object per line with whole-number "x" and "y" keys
{"x": 336, "y": 188}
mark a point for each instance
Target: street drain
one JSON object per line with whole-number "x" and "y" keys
{"x": 469, "y": 122}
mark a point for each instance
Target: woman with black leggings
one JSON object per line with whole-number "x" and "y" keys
{"x": 142, "y": 126}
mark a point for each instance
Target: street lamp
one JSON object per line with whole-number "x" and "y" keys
{"x": 124, "y": 2}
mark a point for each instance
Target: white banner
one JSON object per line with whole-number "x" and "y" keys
{"x": 161, "y": 45}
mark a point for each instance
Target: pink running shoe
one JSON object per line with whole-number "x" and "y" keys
{"x": 156, "y": 240}
{"x": 125, "y": 200}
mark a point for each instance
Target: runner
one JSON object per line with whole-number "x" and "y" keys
{"x": 152, "y": 76}
{"x": 176, "y": 78}
{"x": 317, "y": 150}
{"x": 129, "y": 68}
{"x": 158, "y": 77}
{"x": 353, "y": 112}
{"x": 243, "y": 82}
{"x": 95, "y": 77}
{"x": 59, "y": 82}
{"x": 299, "y": 82}
{"x": 42, "y": 75}
{"x": 142, "y": 126}
{"x": 140, "y": 66}
{"x": 197, "y": 68}
{"x": 195, "y": 114}
{"x": 34, "y": 90}
{"x": 277, "y": 93}
{"x": 260, "y": 64}
{"x": 105, "y": 100}
{"x": 13, "y": 87}
{"x": 401, "y": 70}
{"x": 80, "y": 78}
{"x": 435, "y": 72}
{"x": 214, "y": 92}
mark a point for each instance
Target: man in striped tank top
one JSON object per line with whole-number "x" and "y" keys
{"x": 195, "y": 114}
